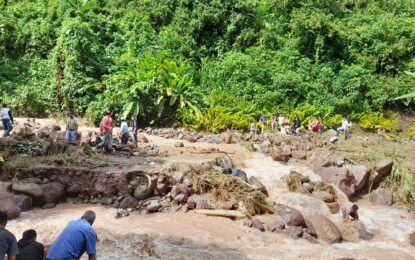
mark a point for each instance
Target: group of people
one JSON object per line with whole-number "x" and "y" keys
{"x": 287, "y": 126}
{"x": 284, "y": 124}
{"x": 77, "y": 238}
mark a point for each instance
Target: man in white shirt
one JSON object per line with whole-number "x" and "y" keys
{"x": 7, "y": 119}
{"x": 344, "y": 128}
{"x": 281, "y": 119}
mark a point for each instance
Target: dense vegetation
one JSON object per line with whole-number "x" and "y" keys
{"x": 212, "y": 64}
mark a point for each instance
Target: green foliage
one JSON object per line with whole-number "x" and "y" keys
{"x": 410, "y": 133}
{"x": 372, "y": 121}
{"x": 161, "y": 58}
{"x": 30, "y": 148}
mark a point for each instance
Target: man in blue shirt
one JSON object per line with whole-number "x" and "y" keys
{"x": 124, "y": 131}
{"x": 77, "y": 238}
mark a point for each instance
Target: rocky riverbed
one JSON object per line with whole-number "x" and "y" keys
{"x": 146, "y": 200}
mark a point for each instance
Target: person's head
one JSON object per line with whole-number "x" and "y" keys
{"x": 227, "y": 171}
{"x": 4, "y": 105}
{"x": 355, "y": 208}
{"x": 30, "y": 235}
{"x": 89, "y": 216}
{"x": 70, "y": 115}
{"x": 3, "y": 218}
{"x": 107, "y": 113}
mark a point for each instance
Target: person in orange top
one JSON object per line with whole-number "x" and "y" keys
{"x": 106, "y": 131}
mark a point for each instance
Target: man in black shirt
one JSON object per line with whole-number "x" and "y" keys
{"x": 28, "y": 247}
{"x": 8, "y": 245}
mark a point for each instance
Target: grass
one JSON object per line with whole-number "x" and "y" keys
{"x": 294, "y": 184}
{"x": 226, "y": 187}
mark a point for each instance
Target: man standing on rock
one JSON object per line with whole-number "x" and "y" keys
{"x": 8, "y": 244}
{"x": 71, "y": 129}
{"x": 106, "y": 130}
{"x": 7, "y": 119}
{"x": 77, "y": 238}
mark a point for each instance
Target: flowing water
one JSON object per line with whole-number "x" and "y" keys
{"x": 192, "y": 236}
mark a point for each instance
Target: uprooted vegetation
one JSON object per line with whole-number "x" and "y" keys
{"x": 296, "y": 180}
{"x": 225, "y": 187}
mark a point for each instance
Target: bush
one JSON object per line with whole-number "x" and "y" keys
{"x": 373, "y": 120}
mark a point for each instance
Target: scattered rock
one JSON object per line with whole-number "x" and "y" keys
{"x": 382, "y": 170}
{"x": 179, "y": 144}
{"x": 52, "y": 192}
{"x": 32, "y": 189}
{"x": 381, "y": 197}
{"x": 49, "y": 206}
{"x": 224, "y": 162}
{"x": 322, "y": 227}
{"x": 308, "y": 187}
{"x": 334, "y": 207}
{"x": 180, "y": 136}
{"x": 198, "y": 202}
{"x": 247, "y": 222}
{"x": 333, "y": 139}
{"x": 74, "y": 189}
{"x": 299, "y": 155}
{"x": 258, "y": 185}
{"x": 275, "y": 226}
{"x": 304, "y": 203}
{"x": 154, "y": 206}
{"x": 279, "y": 156}
{"x": 227, "y": 205}
{"x": 309, "y": 238}
{"x": 128, "y": 202}
{"x": 122, "y": 213}
{"x": 5, "y": 186}
{"x": 178, "y": 177}
{"x": 9, "y": 205}
{"x": 257, "y": 224}
{"x": 191, "y": 204}
{"x": 331, "y": 133}
{"x": 291, "y": 216}
{"x": 293, "y": 232}
{"x": 323, "y": 195}
{"x": 142, "y": 139}
{"x": 181, "y": 198}
{"x": 24, "y": 202}
{"x": 144, "y": 187}
{"x": 340, "y": 177}
{"x": 287, "y": 150}
{"x": 189, "y": 138}
{"x": 354, "y": 231}
{"x": 106, "y": 200}
{"x": 180, "y": 189}
{"x": 361, "y": 175}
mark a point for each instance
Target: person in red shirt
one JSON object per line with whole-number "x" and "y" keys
{"x": 106, "y": 131}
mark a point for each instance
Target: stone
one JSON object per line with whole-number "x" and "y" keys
{"x": 258, "y": 185}
{"x": 144, "y": 188}
{"x": 304, "y": 203}
{"x": 308, "y": 187}
{"x": 257, "y": 224}
{"x": 122, "y": 213}
{"x": 340, "y": 177}
{"x": 293, "y": 232}
{"x": 354, "y": 231}
{"x": 331, "y": 133}
{"x": 361, "y": 175}
{"x": 154, "y": 206}
{"x": 142, "y": 139}
{"x": 32, "y": 189}
{"x": 309, "y": 238}
{"x": 189, "y": 138}
{"x": 74, "y": 189}
{"x": 180, "y": 189}
{"x": 178, "y": 177}
{"x": 279, "y": 156}
{"x": 247, "y": 222}
{"x": 291, "y": 216}
{"x": 227, "y": 205}
{"x": 275, "y": 226}
{"x": 180, "y": 136}
{"x": 24, "y": 202}
{"x": 179, "y": 144}
{"x": 49, "y": 206}
{"x": 287, "y": 150}
{"x": 323, "y": 195}
{"x": 333, "y": 139}
{"x": 224, "y": 162}
{"x": 299, "y": 155}
{"x": 381, "y": 171}
{"x": 323, "y": 228}
{"x": 128, "y": 202}
{"x": 106, "y": 200}
{"x": 381, "y": 197}
{"x": 181, "y": 198}
{"x": 52, "y": 192}
{"x": 200, "y": 202}
{"x": 191, "y": 204}
{"x": 86, "y": 137}
{"x": 9, "y": 205}
{"x": 5, "y": 186}
{"x": 412, "y": 239}
{"x": 334, "y": 207}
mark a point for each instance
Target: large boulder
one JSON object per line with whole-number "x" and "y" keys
{"x": 128, "y": 202}
{"x": 341, "y": 177}
{"x": 304, "y": 203}
{"x": 299, "y": 155}
{"x": 291, "y": 216}
{"x": 86, "y": 137}
{"x": 323, "y": 195}
{"x": 361, "y": 175}
{"x": 24, "y": 202}
{"x": 279, "y": 156}
{"x": 354, "y": 231}
{"x": 381, "y": 197}
{"x": 52, "y": 192}
{"x": 224, "y": 161}
{"x": 142, "y": 139}
{"x": 144, "y": 187}
{"x": 5, "y": 186}
{"x": 321, "y": 227}
{"x": 32, "y": 189}
{"x": 382, "y": 170}
{"x": 258, "y": 185}
{"x": 9, "y": 205}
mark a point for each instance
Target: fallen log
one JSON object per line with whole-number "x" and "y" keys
{"x": 234, "y": 214}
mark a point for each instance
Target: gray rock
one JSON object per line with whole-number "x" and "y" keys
{"x": 32, "y": 189}
{"x": 257, "y": 224}
{"x": 293, "y": 232}
{"x": 341, "y": 177}
{"x": 106, "y": 200}
{"x": 24, "y": 202}
{"x": 361, "y": 175}
{"x": 9, "y": 205}
{"x": 277, "y": 225}
{"x": 154, "y": 206}
{"x": 321, "y": 227}
{"x": 179, "y": 144}
{"x": 258, "y": 185}
{"x": 323, "y": 195}
{"x": 5, "y": 186}
{"x": 128, "y": 202}
{"x": 333, "y": 139}
{"x": 49, "y": 206}
{"x": 181, "y": 198}
{"x": 381, "y": 197}
{"x": 382, "y": 170}
{"x": 52, "y": 192}
{"x": 304, "y": 203}
{"x": 291, "y": 216}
